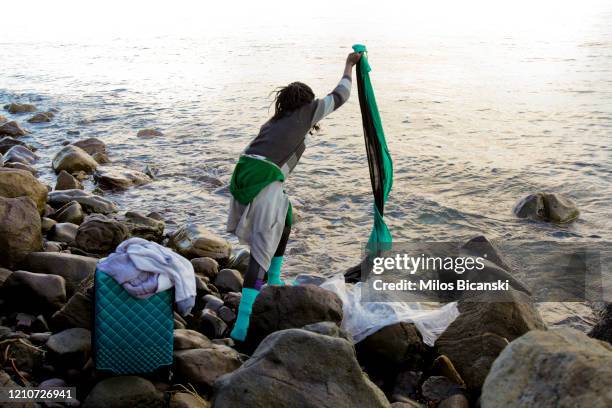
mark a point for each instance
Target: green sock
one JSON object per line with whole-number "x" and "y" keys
{"x": 244, "y": 314}
{"x": 274, "y": 271}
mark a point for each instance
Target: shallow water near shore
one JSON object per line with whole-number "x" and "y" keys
{"x": 473, "y": 124}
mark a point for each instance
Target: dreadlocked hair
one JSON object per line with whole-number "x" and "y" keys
{"x": 291, "y": 97}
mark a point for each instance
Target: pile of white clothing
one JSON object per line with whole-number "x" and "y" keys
{"x": 144, "y": 268}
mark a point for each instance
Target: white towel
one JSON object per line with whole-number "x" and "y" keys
{"x": 144, "y": 268}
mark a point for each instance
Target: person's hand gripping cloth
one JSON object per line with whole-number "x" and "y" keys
{"x": 144, "y": 268}
{"x": 379, "y": 159}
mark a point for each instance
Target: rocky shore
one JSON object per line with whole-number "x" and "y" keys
{"x": 296, "y": 355}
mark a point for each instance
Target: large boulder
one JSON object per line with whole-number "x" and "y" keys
{"x": 119, "y": 178}
{"x": 91, "y": 145}
{"x": 561, "y": 367}
{"x": 392, "y": 349}
{"x": 20, "y": 183}
{"x": 7, "y": 142}
{"x": 229, "y": 280}
{"x": 100, "y": 235}
{"x": 66, "y": 181}
{"x": 483, "y": 329}
{"x": 547, "y": 207}
{"x": 285, "y": 307}
{"x": 63, "y": 232}
{"x": 299, "y": 368}
{"x": 20, "y": 154}
{"x": 90, "y": 203}
{"x": 202, "y": 366}
{"x": 194, "y": 241}
{"x": 19, "y": 107}
{"x": 144, "y": 227}
{"x": 12, "y": 128}
{"x": 124, "y": 391}
{"x": 77, "y": 312}
{"x": 73, "y": 268}
{"x": 70, "y": 347}
{"x": 20, "y": 230}
{"x": 72, "y": 159}
{"x": 34, "y": 293}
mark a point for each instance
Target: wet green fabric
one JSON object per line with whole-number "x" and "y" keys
{"x": 379, "y": 158}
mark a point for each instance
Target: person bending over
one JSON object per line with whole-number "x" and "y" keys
{"x": 260, "y": 212}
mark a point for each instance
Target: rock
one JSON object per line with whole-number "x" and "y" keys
{"x": 20, "y": 108}
{"x": 40, "y": 338}
{"x": 149, "y": 133}
{"x": 73, "y": 268}
{"x": 212, "y": 302}
{"x": 4, "y": 274}
{"x": 118, "y": 178}
{"x": 455, "y": 401}
{"x": 229, "y": 280}
{"x": 240, "y": 261}
{"x": 70, "y": 348}
{"x": 34, "y": 292}
{"x": 194, "y": 241}
{"x": 72, "y": 158}
{"x": 482, "y": 330}
{"x": 100, "y": 235}
{"x": 284, "y": 307}
{"x": 328, "y": 329}
{"x": 205, "y": 266}
{"x": 51, "y": 246}
{"x": 561, "y": 367}
{"x": 20, "y": 154}
{"x": 392, "y": 349}
{"x": 71, "y": 212}
{"x": 185, "y": 339}
{"x": 12, "y": 128}
{"x": 547, "y": 207}
{"x": 603, "y": 329}
{"x": 40, "y": 118}
{"x": 437, "y": 388}
{"x": 24, "y": 167}
{"x": 63, "y": 232}
{"x": 202, "y": 366}
{"x": 89, "y": 202}
{"x": 101, "y": 158}
{"x": 232, "y": 299}
{"x": 187, "y": 400}
{"x": 226, "y": 314}
{"x": 406, "y": 386}
{"x": 19, "y": 183}
{"x": 65, "y": 181}
{"x": 20, "y": 230}
{"x": 77, "y": 312}
{"x": 211, "y": 325}
{"x": 124, "y": 391}
{"x": 444, "y": 367}
{"x": 91, "y": 145}
{"x": 295, "y": 368}
{"x": 144, "y": 227}
{"x": 7, "y": 142}
{"x": 3, "y": 119}
{"x": 407, "y": 404}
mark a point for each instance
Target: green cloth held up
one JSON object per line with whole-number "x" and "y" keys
{"x": 379, "y": 158}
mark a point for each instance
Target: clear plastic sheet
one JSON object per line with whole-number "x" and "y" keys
{"x": 363, "y": 319}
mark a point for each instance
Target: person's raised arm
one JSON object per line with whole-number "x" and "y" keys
{"x": 341, "y": 92}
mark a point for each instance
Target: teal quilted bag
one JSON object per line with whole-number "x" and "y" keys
{"x": 131, "y": 335}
